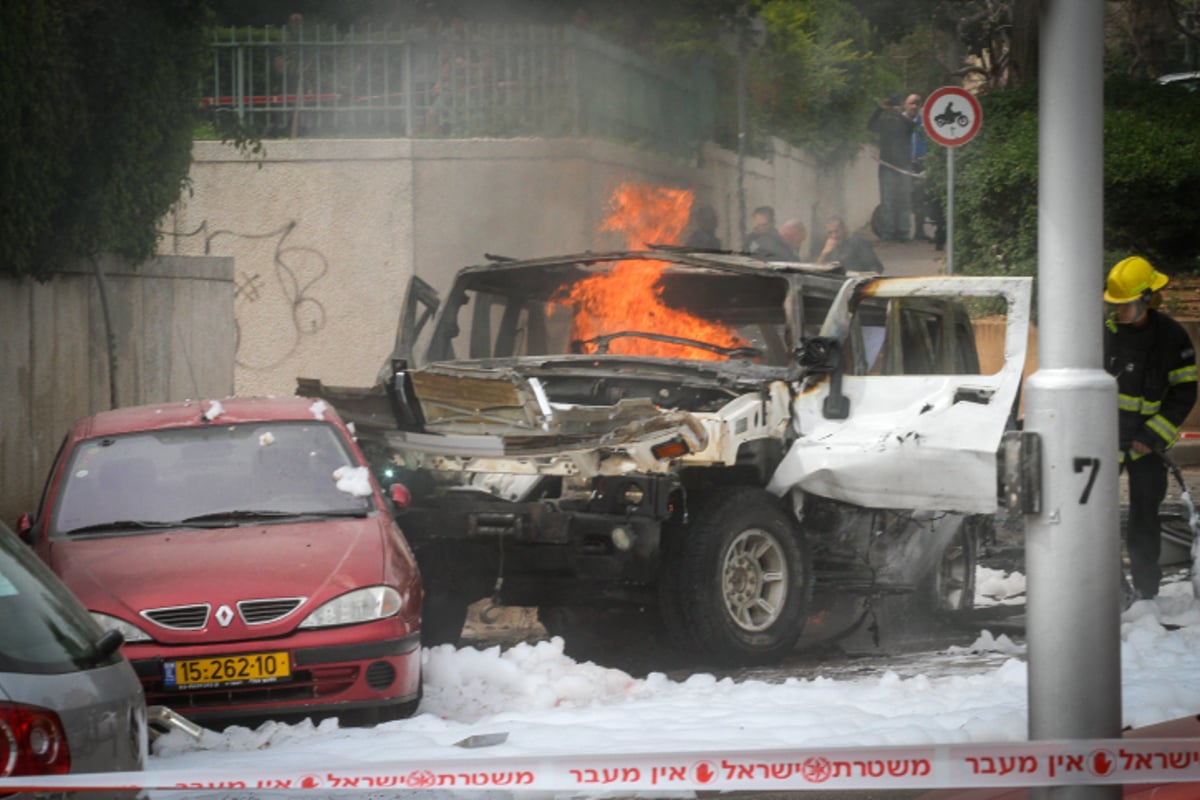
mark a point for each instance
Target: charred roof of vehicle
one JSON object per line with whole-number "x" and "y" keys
{"x": 671, "y": 254}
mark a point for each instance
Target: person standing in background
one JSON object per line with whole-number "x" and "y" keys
{"x": 702, "y": 228}
{"x": 794, "y": 234}
{"x": 764, "y": 240}
{"x": 895, "y": 148}
{"x": 918, "y": 194}
{"x": 851, "y": 251}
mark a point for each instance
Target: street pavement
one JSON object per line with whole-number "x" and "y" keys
{"x": 909, "y": 258}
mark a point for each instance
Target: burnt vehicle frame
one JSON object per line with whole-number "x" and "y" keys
{"x": 842, "y": 447}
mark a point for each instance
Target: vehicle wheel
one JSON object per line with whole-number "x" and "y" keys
{"x": 744, "y": 579}
{"x": 670, "y": 606}
{"x": 624, "y": 638}
{"x": 950, "y": 587}
{"x": 442, "y": 617}
{"x": 877, "y": 222}
{"x": 557, "y": 620}
{"x": 583, "y": 630}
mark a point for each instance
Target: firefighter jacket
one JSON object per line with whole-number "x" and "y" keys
{"x": 1155, "y": 368}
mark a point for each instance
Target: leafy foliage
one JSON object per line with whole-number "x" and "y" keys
{"x": 97, "y": 144}
{"x": 816, "y": 79}
{"x": 810, "y": 76}
{"x": 1152, "y": 172}
{"x": 43, "y": 105}
{"x": 1151, "y": 180}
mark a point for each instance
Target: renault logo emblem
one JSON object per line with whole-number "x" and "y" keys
{"x": 224, "y": 616}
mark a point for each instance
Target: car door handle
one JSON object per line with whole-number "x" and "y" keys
{"x": 973, "y": 394}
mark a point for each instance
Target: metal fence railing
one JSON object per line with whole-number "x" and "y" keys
{"x": 461, "y": 81}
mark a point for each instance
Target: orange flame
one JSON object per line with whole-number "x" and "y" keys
{"x": 628, "y": 298}
{"x": 648, "y": 214}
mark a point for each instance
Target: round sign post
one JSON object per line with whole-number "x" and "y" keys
{"x": 951, "y": 116}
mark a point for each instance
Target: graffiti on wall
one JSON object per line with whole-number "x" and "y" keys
{"x": 296, "y": 271}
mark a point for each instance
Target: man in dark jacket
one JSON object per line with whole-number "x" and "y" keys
{"x": 849, "y": 250}
{"x": 1154, "y": 362}
{"x": 764, "y": 240}
{"x": 702, "y": 228}
{"x": 895, "y": 146}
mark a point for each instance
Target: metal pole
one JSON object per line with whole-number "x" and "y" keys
{"x": 410, "y": 85}
{"x": 950, "y": 210}
{"x": 741, "y": 141}
{"x": 1072, "y": 545}
{"x": 239, "y": 81}
{"x": 110, "y": 336}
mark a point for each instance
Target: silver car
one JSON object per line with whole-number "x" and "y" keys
{"x": 69, "y": 700}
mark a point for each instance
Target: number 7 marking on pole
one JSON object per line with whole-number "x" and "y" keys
{"x": 1082, "y": 464}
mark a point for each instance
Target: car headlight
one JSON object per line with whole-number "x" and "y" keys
{"x": 361, "y": 605}
{"x": 131, "y": 632}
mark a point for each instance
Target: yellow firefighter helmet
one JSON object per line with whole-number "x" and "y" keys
{"x": 1130, "y": 279}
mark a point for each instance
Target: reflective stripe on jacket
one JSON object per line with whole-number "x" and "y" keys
{"x": 1155, "y": 368}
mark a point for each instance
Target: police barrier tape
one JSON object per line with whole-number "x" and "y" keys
{"x": 1040, "y": 763}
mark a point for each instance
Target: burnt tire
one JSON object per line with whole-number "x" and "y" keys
{"x": 670, "y": 605}
{"x": 950, "y": 586}
{"x": 742, "y": 580}
{"x": 877, "y": 222}
{"x": 443, "y": 615}
{"x": 630, "y": 639}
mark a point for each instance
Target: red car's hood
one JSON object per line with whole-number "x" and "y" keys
{"x": 123, "y": 575}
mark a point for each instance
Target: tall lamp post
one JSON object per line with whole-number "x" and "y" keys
{"x": 742, "y": 34}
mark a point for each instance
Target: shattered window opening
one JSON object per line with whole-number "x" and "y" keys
{"x": 919, "y": 336}
{"x": 632, "y": 307}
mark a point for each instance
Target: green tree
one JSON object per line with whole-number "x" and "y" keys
{"x": 811, "y": 76}
{"x": 817, "y": 78}
{"x": 100, "y": 99}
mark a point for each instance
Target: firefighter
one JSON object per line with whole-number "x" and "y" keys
{"x": 1154, "y": 362}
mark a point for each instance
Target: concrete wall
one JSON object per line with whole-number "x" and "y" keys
{"x": 797, "y": 186}
{"x": 326, "y": 233}
{"x": 173, "y": 331}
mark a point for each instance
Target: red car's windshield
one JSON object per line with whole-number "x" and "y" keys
{"x": 214, "y": 475}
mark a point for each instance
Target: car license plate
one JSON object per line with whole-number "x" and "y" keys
{"x": 199, "y": 673}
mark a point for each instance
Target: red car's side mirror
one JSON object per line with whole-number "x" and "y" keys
{"x": 25, "y": 528}
{"x": 400, "y": 496}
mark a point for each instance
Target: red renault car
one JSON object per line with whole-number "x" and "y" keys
{"x": 246, "y": 555}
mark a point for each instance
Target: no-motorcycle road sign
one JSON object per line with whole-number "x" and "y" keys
{"x": 951, "y": 116}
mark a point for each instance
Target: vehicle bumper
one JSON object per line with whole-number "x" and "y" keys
{"x": 326, "y": 678}
{"x": 544, "y": 554}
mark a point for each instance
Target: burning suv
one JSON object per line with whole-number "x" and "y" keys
{"x": 729, "y": 446}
